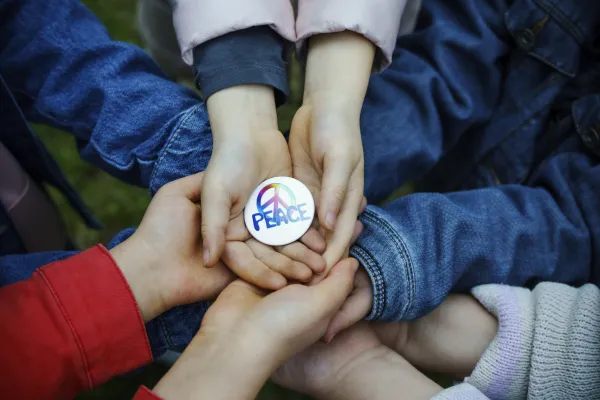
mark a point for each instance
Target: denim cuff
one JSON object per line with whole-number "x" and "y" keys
{"x": 384, "y": 254}
{"x": 187, "y": 149}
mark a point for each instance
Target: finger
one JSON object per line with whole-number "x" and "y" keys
{"x": 287, "y": 267}
{"x": 331, "y": 293}
{"x": 236, "y": 230}
{"x": 299, "y": 252}
{"x": 336, "y": 176}
{"x": 356, "y": 307}
{"x": 314, "y": 241}
{"x": 190, "y": 187}
{"x": 358, "y": 228}
{"x": 339, "y": 239}
{"x": 241, "y": 260}
{"x": 216, "y": 209}
{"x": 363, "y": 205}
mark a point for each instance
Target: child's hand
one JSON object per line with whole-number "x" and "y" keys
{"x": 449, "y": 340}
{"x": 355, "y": 365}
{"x": 248, "y": 149}
{"x": 356, "y": 307}
{"x": 247, "y": 333}
{"x": 325, "y": 141}
{"x": 327, "y": 156}
{"x": 271, "y": 267}
{"x": 162, "y": 260}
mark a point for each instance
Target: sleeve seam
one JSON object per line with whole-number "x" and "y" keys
{"x": 42, "y": 275}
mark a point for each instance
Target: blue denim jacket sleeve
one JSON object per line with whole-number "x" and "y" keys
{"x": 255, "y": 55}
{"x": 420, "y": 247}
{"x": 445, "y": 78}
{"x": 127, "y": 117}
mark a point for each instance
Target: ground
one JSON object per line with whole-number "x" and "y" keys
{"x": 116, "y": 204}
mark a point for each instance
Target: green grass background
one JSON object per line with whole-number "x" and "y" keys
{"x": 119, "y": 205}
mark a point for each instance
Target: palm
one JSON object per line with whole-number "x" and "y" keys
{"x": 179, "y": 217}
{"x": 316, "y": 369}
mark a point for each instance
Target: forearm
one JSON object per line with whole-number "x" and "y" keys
{"x": 419, "y": 248}
{"x": 209, "y": 369}
{"x": 70, "y": 327}
{"x": 552, "y": 325}
{"x": 128, "y": 118}
{"x": 382, "y": 374}
{"x": 338, "y": 69}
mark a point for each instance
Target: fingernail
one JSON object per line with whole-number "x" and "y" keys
{"x": 206, "y": 256}
{"x": 330, "y": 220}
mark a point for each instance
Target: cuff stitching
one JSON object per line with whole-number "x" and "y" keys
{"x": 377, "y": 280}
{"x": 403, "y": 251}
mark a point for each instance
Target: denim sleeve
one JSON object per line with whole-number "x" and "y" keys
{"x": 445, "y": 78}
{"x": 420, "y": 247}
{"x": 127, "y": 117}
{"x": 255, "y": 55}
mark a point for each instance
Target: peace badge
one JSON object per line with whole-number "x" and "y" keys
{"x": 279, "y": 211}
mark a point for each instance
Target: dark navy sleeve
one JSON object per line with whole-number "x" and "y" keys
{"x": 255, "y": 55}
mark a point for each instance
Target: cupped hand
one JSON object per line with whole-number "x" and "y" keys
{"x": 327, "y": 156}
{"x": 272, "y": 267}
{"x": 247, "y": 333}
{"x": 283, "y": 322}
{"x": 247, "y": 150}
{"x": 162, "y": 260}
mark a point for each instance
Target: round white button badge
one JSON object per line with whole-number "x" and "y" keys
{"x": 279, "y": 211}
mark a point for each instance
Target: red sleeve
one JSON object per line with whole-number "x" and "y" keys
{"x": 145, "y": 394}
{"x": 70, "y": 327}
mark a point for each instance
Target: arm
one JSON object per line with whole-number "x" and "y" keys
{"x": 127, "y": 117}
{"x": 420, "y": 247}
{"x": 554, "y": 325}
{"x": 442, "y": 83}
{"x": 378, "y": 21}
{"x": 75, "y": 322}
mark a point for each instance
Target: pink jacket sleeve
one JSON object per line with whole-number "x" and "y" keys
{"x": 197, "y": 21}
{"x": 377, "y": 20}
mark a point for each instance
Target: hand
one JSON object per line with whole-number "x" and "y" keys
{"x": 162, "y": 260}
{"x": 355, "y": 365}
{"x": 247, "y": 334}
{"x": 325, "y": 142}
{"x": 449, "y": 340}
{"x": 248, "y": 149}
{"x": 356, "y": 307}
{"x": 268, "y": 267}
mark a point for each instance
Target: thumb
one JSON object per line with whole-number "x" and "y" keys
{"x": 189, "y": 187}
{"x": 336, "y": 176}
{"x": 216, "y": 209}
{"x": 331, "y": 293}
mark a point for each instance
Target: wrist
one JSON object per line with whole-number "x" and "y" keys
{"x": 242, "y": 110}
{"x": 217, "y": 367}
{"x": 338, "y": 68}
{"x": 137, "y": 266}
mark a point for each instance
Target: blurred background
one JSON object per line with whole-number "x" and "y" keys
{"x": 121, "y": 206}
